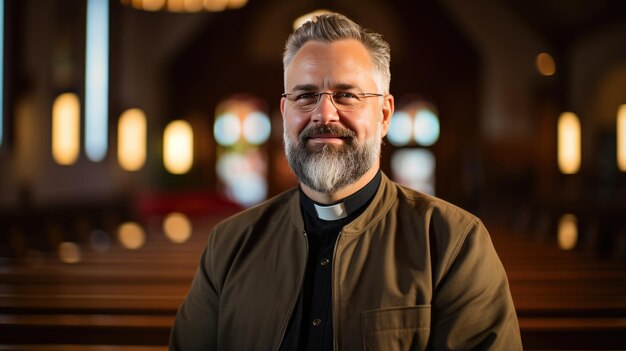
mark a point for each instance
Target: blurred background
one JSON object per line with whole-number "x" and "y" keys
{"x": 129, "y": 128}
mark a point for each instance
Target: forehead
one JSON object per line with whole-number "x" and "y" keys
{"x": 328, "y": 65}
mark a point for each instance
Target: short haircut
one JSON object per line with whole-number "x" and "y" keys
{"x": 333, "y": 27}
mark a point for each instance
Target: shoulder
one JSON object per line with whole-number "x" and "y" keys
{"x": 250, "y": 230}
{"x": 274, "y": 209}
{"x": 434, "y": 209}
{"x": 449, "y": 229}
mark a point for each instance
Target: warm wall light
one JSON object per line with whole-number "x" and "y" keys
{"x": 69, "y": 252}
{"x": 176, "y": 5}
{"x": 234, "y": 4}
{"x": 150, "y": 5}
{"x": 131, "y": 235}
{"x": 621, "y": 138}
{"x": 66, "y": 129}
{"x": 215, "y": 5}
{"x": 131, "y": 142}
{"x": 568, "y": 232}
{"x": 545, "y": 64}
{"x": 178, "y": 147}
{"x": 177, "y": 227}
{"x": 185, "y": 5}
{"x": 569, "y": 147}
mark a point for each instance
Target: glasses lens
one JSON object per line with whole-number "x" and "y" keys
{"x": 306, "y": 102}
{"x": 343, "y": 101}
{"x": 346, "y": 101}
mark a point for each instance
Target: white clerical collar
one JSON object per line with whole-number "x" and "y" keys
{"x": 332, "y": 212}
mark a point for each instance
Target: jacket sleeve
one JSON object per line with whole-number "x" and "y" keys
{"x": 195, "y": 326}
{"x": 472, "y": 304}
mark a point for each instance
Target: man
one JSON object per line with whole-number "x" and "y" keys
{"x": 349, "y": 260}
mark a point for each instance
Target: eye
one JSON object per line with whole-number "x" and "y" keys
{"x": 346, "y": 98}
{"x": 346, "y": 95}
{"x": 306, "y": 96}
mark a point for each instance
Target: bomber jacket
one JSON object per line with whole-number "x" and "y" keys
{"x": 412, "y": 272}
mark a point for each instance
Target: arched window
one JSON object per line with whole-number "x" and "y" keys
{"x": 414, "y": 128}
{"x": 241, "y": 129}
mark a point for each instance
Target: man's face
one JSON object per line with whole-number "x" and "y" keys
{"x": 327, "y": 148}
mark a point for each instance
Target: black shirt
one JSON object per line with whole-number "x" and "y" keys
{"x": 311, "y": 326}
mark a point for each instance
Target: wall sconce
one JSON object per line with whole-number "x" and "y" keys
{"x": 185, "y": 5}
{"x": 569, "y": 144}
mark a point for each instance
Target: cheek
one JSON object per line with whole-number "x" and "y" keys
{"x": 295, "y": 124}
{"x": 365, "y": 126}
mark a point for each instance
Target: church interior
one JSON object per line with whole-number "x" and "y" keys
{"x": 128, "y": 128}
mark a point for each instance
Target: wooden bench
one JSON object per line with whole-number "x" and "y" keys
{"x": 564, "y": 299}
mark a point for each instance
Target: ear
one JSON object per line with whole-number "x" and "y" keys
{"x": 387, "y": 111}
{"x": 282, "y": 107}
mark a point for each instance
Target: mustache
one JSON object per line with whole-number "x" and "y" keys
{"x": 334, "y": 130}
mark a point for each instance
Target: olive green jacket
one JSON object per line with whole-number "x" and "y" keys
{"x": 411, "y": 273}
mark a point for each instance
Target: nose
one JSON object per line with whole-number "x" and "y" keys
{"x": 325, "y": 111}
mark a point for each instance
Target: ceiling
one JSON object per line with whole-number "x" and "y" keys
{"x": 564, "y": 21}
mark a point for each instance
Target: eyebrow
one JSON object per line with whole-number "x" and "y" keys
{"x": 313, "y": 87}
{"x": 345, "y": 86}
{"x": 305, "y": 87}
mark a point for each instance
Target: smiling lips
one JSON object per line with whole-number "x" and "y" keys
{"x": 327, "y": 138}
{"x": 327, "y": 134}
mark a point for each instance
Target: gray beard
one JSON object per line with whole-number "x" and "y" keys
{"x": 330, "y": 168}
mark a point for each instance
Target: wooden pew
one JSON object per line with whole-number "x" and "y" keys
{"x": 564, "y": 299}
{"x": 118, "y": 298}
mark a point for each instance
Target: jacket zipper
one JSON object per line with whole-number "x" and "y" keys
{"x": 294, "y": 301}
{"x": 334, "y": 296}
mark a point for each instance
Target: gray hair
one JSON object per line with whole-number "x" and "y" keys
{"x": 333, "y": 27}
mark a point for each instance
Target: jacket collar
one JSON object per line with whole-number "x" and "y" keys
{"x": 348, "y": 208}
{"x": 385, "y": 197}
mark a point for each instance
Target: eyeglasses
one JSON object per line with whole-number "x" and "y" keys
{"x": 342, "y": 100}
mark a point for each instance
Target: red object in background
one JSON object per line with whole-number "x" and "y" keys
{"x": 193, "y": 204}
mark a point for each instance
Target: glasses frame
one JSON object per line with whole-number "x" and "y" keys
{"x": 332, "y": 99}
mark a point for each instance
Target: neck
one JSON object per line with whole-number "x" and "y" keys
{"x": 344, "y": 192}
